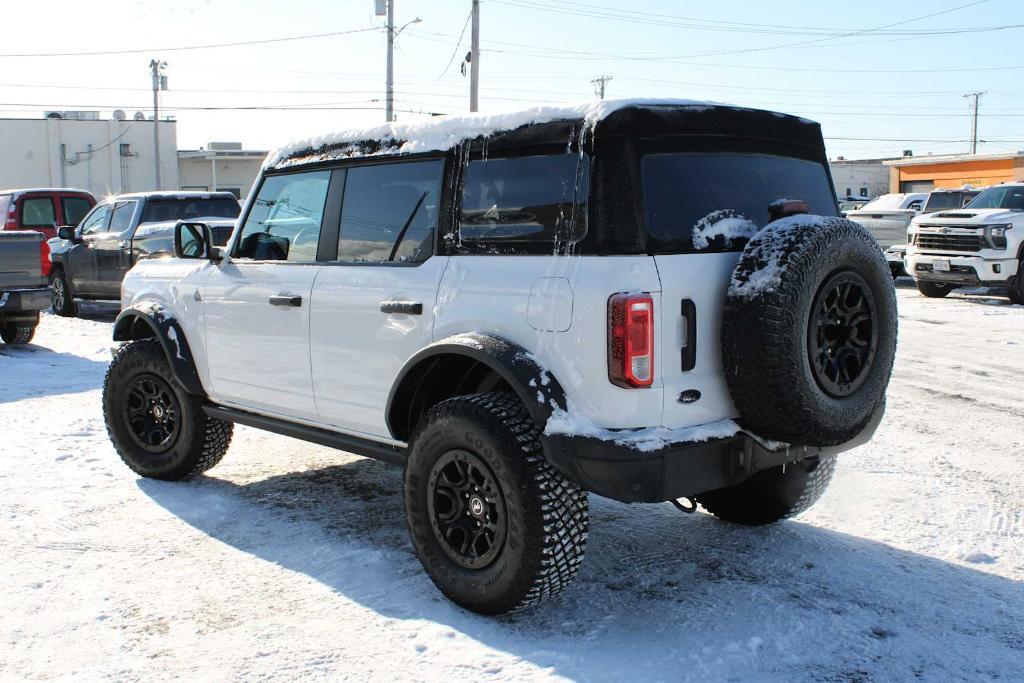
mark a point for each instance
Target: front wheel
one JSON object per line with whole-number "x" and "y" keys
{"x": 933, "y": 290}
{"x": 495, "y": 526}
{"x": 17, "y": 334}
{"x": 1017, "y": 287}
{"x": 159, "y": 430}
{"x": 773, "y": 494}
{"x": 61, "y": 300}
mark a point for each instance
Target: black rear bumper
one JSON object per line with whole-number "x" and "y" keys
{"x": 678, "y": 470}
{"x": 23, "y": 303}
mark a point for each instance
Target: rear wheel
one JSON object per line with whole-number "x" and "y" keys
{"x": 17, "y": 333}
{"x": 933, "y": 290}
{"x": 61, "y": 300}
{"x": 495, "y": 526}
{"x": 158, "y": 429}
{"x": 771, "y": 495}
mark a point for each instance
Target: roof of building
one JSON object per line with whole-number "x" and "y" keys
{"x": 952, "y": 158}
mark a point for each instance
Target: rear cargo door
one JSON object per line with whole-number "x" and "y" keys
{"x": 700, "y": 209}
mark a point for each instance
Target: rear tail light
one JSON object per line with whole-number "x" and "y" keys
{"x": 11, "y": 222}
{"x": 631, "y": 340}
{"x": 44, "y": 255}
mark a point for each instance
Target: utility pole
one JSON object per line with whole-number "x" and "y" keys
{"x": 474, "y": 64}
{"x": 390, "y": 103}
{"x": 599, "y": 85}
{"x": 159, "y": 83}
{"x": 974, "y": 119}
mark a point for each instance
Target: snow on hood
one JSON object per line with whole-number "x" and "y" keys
{"x": 445, "y": 132}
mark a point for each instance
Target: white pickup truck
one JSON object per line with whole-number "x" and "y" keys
{"x": 980, "y": 244}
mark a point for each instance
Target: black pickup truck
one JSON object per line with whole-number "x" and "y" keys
{"x": 90, "y": 260}
{"x": 24, "y": 264}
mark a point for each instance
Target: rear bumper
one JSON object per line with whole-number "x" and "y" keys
{"x": 964, "y": 270}
{"x": 678, "y": 470}
{"x": 26, "y": 303}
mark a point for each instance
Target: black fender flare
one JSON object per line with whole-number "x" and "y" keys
{"x": 172, "y": 338}
{"x": 536, "y": 386}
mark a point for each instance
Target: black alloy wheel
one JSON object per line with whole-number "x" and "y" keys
{"x": 467, "y": 509}
{"x": 842, "y": 335}
{"x": 152, "y": 413}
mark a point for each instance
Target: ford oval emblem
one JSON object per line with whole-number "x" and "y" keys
{"x": 689, "y": 396}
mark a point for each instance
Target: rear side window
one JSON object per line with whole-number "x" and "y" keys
{"x": 121, "y": 216}
{"x": 37, "y": 212}
{"x": 714, "y": 202}
{"x": 74, "y": 209}
{"x": 389, "y": 212}
{"x": 161, "y": 210}
{"x": 524, "y": 204}
{"x": 284, "y": 221}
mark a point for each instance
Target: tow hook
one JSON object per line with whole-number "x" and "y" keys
{"x": 687, "y": 505}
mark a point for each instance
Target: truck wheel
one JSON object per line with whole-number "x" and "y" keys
{"x": 773, "y": 494}
{"x": 1017, "y": 287}
{"x": 495, "y": 526}
{"x": 60, "y": 294}
{"x": 17, "y": 334}
{"x": 933, "y": 290}
{"x": 159, "y": 430}
{"x": 809, "y": 331}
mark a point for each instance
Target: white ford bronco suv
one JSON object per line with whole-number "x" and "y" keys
{"x": 647, "y": 300}
{"x": 980, "y": 244}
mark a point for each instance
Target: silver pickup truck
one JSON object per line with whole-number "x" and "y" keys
{"x": 24, "y": 267}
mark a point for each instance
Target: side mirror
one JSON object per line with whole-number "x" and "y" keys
{"x": 194, "y": 241}
{"x": 67, "y": 232}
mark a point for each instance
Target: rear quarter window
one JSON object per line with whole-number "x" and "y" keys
{"x": 716, "y": 201}
{"x": 37, "y": 212}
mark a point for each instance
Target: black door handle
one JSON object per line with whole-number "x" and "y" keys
{"x": 285, "y": 300}
{"x": 407, "y": 307}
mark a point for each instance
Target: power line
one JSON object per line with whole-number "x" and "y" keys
{"x": 189, "y": 47}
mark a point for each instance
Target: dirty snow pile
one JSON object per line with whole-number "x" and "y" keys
{"x": 291, "y": 562}
{"x": 646, "y": 440}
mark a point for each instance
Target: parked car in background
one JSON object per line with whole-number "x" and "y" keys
{"x": 44, "y": 209}
{"x": 887, "y": 218}
{"x": 24, "y": 267}
{"x": 90, "y": 260}
{"x": 980, "y": 244}
{"x": 942, "y": 200}
{"x": 847, "y": 204}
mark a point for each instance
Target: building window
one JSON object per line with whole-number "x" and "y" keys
{"x": 863, "y": 192}
{"x": 848, "y": 193}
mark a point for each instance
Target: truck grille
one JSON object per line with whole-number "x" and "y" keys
{"x": 950, "y": 242}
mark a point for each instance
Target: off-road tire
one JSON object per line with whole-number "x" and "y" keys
{"x": 17, "y": 334}
{"x": 201, "y": 441}
{"x": 772, "y": 355}
{"x": 547, "y": 515}
{"x": 61, "y": 299}
{"x": 1017, "y": 286}
{"x": 933, "y": 290}
{"x": 773, "y": 494}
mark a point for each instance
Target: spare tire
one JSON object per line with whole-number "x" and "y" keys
{"x": 809, "y": 331}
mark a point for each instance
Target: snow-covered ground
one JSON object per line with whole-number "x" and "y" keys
{"x": 291, "y": 561}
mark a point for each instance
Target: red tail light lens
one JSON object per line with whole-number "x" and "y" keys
{"x": 631, "y": 340}
{"x": 11, "y": 219}
{"x": 44, "y": 254}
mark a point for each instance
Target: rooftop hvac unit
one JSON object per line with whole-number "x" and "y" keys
{"x": 139, "y": 116}
{"x": 53, "y": 114}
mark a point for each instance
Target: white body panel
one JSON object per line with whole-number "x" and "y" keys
{"x": 259, "y": 353}
{"x": 493, "y": 295}
{"x": 703, "y": 279}
{"x": 357, "y": 350}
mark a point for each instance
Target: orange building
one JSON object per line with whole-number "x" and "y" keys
{"x": 924, "y": 174}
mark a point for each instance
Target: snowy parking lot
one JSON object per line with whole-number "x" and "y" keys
{"x": 291, "y": 561}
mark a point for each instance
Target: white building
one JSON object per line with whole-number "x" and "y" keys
{"x": 223, "y": 166}
{"x": 102, "y": 156}
{"x": 867, "y": 178}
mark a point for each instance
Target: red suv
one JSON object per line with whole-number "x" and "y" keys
{"x": 44, "y": 209}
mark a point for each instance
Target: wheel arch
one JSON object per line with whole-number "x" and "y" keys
{"x": 137, "y": 323}
{"x": 470, "y": 363}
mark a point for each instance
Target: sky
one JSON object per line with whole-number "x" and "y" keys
{"x": 881, "y": 77}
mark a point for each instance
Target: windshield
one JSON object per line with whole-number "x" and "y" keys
{"x": 1005, "y": 197}
{"x": 937, "y": 201}
{"x": 160, "y": 210}
{"x": 713, "y": 202}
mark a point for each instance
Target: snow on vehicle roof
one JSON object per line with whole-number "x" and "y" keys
{"x": 893, "y": 201}
{"x": 445, "y": 132}
{"x": 176, "y": 194}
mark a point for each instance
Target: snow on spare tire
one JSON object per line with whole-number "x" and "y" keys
{"x": 809, "y": 330}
